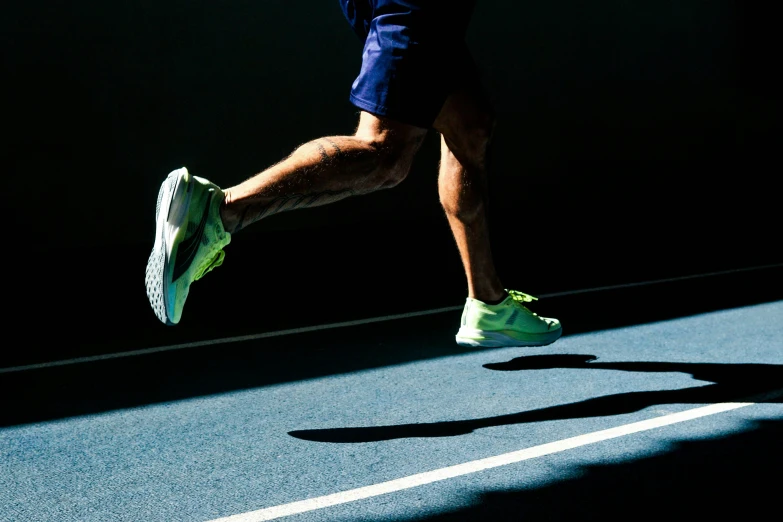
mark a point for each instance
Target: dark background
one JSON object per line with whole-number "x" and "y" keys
{"x": 635, "y": 141}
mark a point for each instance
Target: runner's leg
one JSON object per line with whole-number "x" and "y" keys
{"x": 377, "y": 156}
{"x": 466, "y": 124}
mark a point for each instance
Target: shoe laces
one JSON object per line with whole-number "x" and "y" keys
{"x": 521, "y": 297}
{"x": 208, "y": 263}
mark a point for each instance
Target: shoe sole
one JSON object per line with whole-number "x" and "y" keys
{"x": 170, "y": 219}
{"x": 488, "y": 339}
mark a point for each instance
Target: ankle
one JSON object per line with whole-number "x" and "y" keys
{"x": 489, "y": 297}
{"x": 229, "y": 218}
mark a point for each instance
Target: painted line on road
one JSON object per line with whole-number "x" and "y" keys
{"x": 307, "y": 329}
{"x": 420, "y": 479}
{"x": 226, "y": 340}
{"x": 659, "y": 281}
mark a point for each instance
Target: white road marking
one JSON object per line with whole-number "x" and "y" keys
{"x": 666, "y": 280}
{"x": 226, "y": 340}
{"x": 252, "y": 337}
{"x": 420, "y": 479}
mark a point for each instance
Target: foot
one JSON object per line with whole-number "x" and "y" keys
{"x": 188, "y": 242}
{"x": 509, "y": 323}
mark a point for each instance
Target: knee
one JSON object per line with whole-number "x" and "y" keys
{"x": 394, "y": 169}
{"x": 392, "y": 161}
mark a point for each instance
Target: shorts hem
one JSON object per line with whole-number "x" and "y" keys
{"x": 380, "y": 110}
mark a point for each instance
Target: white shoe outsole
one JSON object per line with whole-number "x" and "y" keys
{"x": 485, "y": 339}
{"x": 171, "y": 212}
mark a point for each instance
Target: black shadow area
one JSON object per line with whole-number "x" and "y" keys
{"x": 726, "y": 478}
{"x": 95, "y": 387}
{"x": 731, "y": 382}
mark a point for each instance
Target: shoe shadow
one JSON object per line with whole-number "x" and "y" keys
{"x": 730, "y": 383}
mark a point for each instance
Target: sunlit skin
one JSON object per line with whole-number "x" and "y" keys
{"x": 466, "y": 127}
{"x": 379, "y": 156}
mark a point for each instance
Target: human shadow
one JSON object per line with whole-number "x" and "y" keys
{"x": 730, "y": 383}
{"x": 725, "y": 477}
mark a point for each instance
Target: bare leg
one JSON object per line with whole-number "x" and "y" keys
{"x": 465, "y": 124}
{"x": 377, "y": 156}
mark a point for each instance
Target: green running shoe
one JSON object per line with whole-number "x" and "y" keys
{"x": 509, "y": 323}
{"x": 189, "y": 241}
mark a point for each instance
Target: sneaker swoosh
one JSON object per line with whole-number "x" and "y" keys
{"x": 189, "y": 247}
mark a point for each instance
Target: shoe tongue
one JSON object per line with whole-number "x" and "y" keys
{"x": 507, "y": 300}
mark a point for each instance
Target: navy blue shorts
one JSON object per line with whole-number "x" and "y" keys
{"x": 414, "y": 56}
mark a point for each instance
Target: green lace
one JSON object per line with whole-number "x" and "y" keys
{"x": 521, "y": 297}
{"x": 209, "y": 263}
